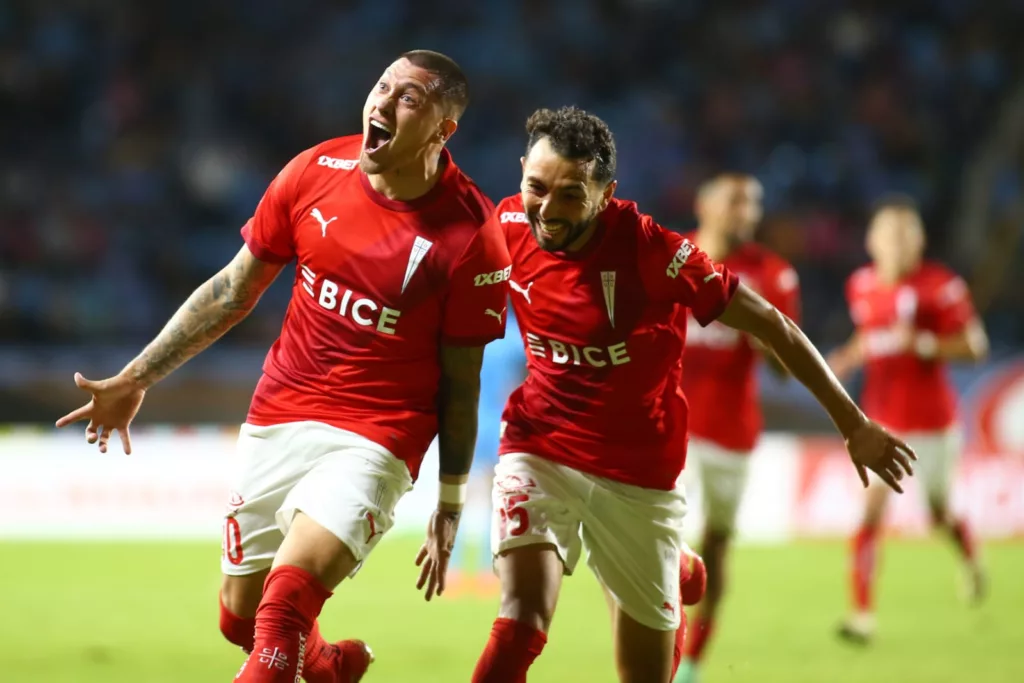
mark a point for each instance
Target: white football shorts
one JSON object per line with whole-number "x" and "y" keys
{"x": 344, "y": 482}
{"x": 633, "y": 535}
{"x": 723, "y": 478}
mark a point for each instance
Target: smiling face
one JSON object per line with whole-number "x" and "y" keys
{"x": 403, "y": 119}
{"x": 561, "y": 198}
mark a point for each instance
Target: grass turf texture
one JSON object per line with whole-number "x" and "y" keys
{"x": 147, "y": 613}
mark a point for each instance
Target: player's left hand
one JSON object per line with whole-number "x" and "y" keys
{"x": 872, "y": 448}
{"x": 436, "y": 551}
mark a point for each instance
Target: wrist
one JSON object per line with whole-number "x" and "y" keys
{"x": 849, "y": 424}
{"x": 451, "y": 496}
{"x": 926, "y": 345}
{"x": 130, "y": 377}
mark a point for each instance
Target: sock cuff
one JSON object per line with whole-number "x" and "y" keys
{"x": 511, "y": 630}
{"x": 296, "y": 579}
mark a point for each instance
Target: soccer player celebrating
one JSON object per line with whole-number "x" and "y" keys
{"x": 594, "y": 439}
{"x": 400, "y": 283}
{"x": 720, "y": 382}
{"x": 912, "y": 316}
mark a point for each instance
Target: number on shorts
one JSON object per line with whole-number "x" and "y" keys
{"x": 512, "y": 511}
{"x": 232, "y": 540}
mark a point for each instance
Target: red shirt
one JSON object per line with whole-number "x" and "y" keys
{"x": 719, "y": 363}
{"x": 902, "y": 391}
{"x": 380, "y": 286}
{"x": 603, "y": 355}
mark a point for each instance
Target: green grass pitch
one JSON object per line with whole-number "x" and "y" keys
{"x": 147, "y": 613}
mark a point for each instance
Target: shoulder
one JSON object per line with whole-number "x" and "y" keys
{"x": 942, "y": 281}
{"x": 861, "y": 280}
{"x": 464, "y": 198}
{"x": 336, "y": 154}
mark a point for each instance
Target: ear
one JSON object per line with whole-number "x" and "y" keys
{"x": 608, "y": 193}
{"x": 522, "y": 163}
{"x": 447, "y": 129}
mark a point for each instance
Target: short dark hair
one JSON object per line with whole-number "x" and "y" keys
{"x": 453, "y": 87}
{"x": 575, "y": 134}
{"x": 896, "y": 201}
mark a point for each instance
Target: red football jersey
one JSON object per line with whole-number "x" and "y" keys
{"x": 719, "y": 363}
{"x": 379, "y": 286}
{"x": 902, "y": 391}
{"x": 603, "y": 353}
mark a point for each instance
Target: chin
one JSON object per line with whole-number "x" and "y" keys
{"x": 370, "y": 166}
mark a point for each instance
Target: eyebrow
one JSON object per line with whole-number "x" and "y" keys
{"x": 578, "y": 185}
{"x": 406, "y": 84}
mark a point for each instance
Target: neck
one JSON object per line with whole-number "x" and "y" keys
{"x": 891, "y": 276}
{"x": 411, "y": 181}
{"x": 584, "y": 237}
{"x": 712, "y": 243}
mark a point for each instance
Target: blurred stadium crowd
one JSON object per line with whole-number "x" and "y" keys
{"x": 136, "y": 138}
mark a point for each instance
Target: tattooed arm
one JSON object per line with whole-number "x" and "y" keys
{"x": 213, "y": 309}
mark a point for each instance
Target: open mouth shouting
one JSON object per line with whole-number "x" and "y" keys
{"x": 378, "y": 135}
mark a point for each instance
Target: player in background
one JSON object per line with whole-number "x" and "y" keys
{"x": 720, "y": 380}
{"x": 594, "y": 439}
{"x": 398, "y": 274}
{"x": 472, "y": 565}
{"x": 912, "y": 316}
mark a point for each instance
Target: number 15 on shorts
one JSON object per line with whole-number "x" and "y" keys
{"x": 513, "y": 519}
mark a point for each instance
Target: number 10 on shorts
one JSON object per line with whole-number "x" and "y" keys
{"x": 511, "y": 512}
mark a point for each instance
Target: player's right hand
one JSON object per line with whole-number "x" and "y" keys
{"x": 872, "y": 448}
{"x": 113, "y": 405}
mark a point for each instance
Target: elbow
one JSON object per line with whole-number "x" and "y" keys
{"x": 777, "y": 330}
{"x": 977, "y": 345}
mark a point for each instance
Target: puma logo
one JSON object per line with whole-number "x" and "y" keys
{"x": 373, "y": 527}
{"x": 525, "y": 292}
{"x": 315, "y": 213}
{"x": 496, "y": 314}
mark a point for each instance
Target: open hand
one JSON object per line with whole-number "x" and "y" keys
{"x": 436, "y": 551}
{"x": 872, "y": 448}
{"x": 113, "y": 405}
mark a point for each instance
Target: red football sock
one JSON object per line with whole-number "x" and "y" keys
{"x": 317, "y": 667}
{"x": 510, "y": 651}
{"x": 292, "y": 600}
{"x": 237, "y": 630}
{"x": 680, "y": 646}
{"x": 700, "y": 633}
{"x": 964, "y": 539}
{"x": 865, "y": 547}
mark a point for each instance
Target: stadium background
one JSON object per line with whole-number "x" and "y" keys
{"x": 136, "y": 138}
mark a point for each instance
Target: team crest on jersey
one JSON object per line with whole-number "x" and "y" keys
{"x": 419, "y": 249}
{"x": 608, "y": 286}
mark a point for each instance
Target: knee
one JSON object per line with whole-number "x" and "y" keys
{"x": 240, "y": 595}
{"x": 530, "y": 606}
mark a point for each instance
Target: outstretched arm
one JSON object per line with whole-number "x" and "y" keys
{"x": 214, "y": 308}
{"x": 868, "y": 444}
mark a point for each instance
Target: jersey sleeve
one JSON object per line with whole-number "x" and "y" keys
{"x": 782, "y": 288}
{"x": 269, "y": 233}
{"x": 476, "y": 302}
{"x": 676, "y": 270}
{"x": 954, "y": 307}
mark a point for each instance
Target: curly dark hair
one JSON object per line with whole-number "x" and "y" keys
{"x": 575, "y": 134}
{"x": 453, "y": 84}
